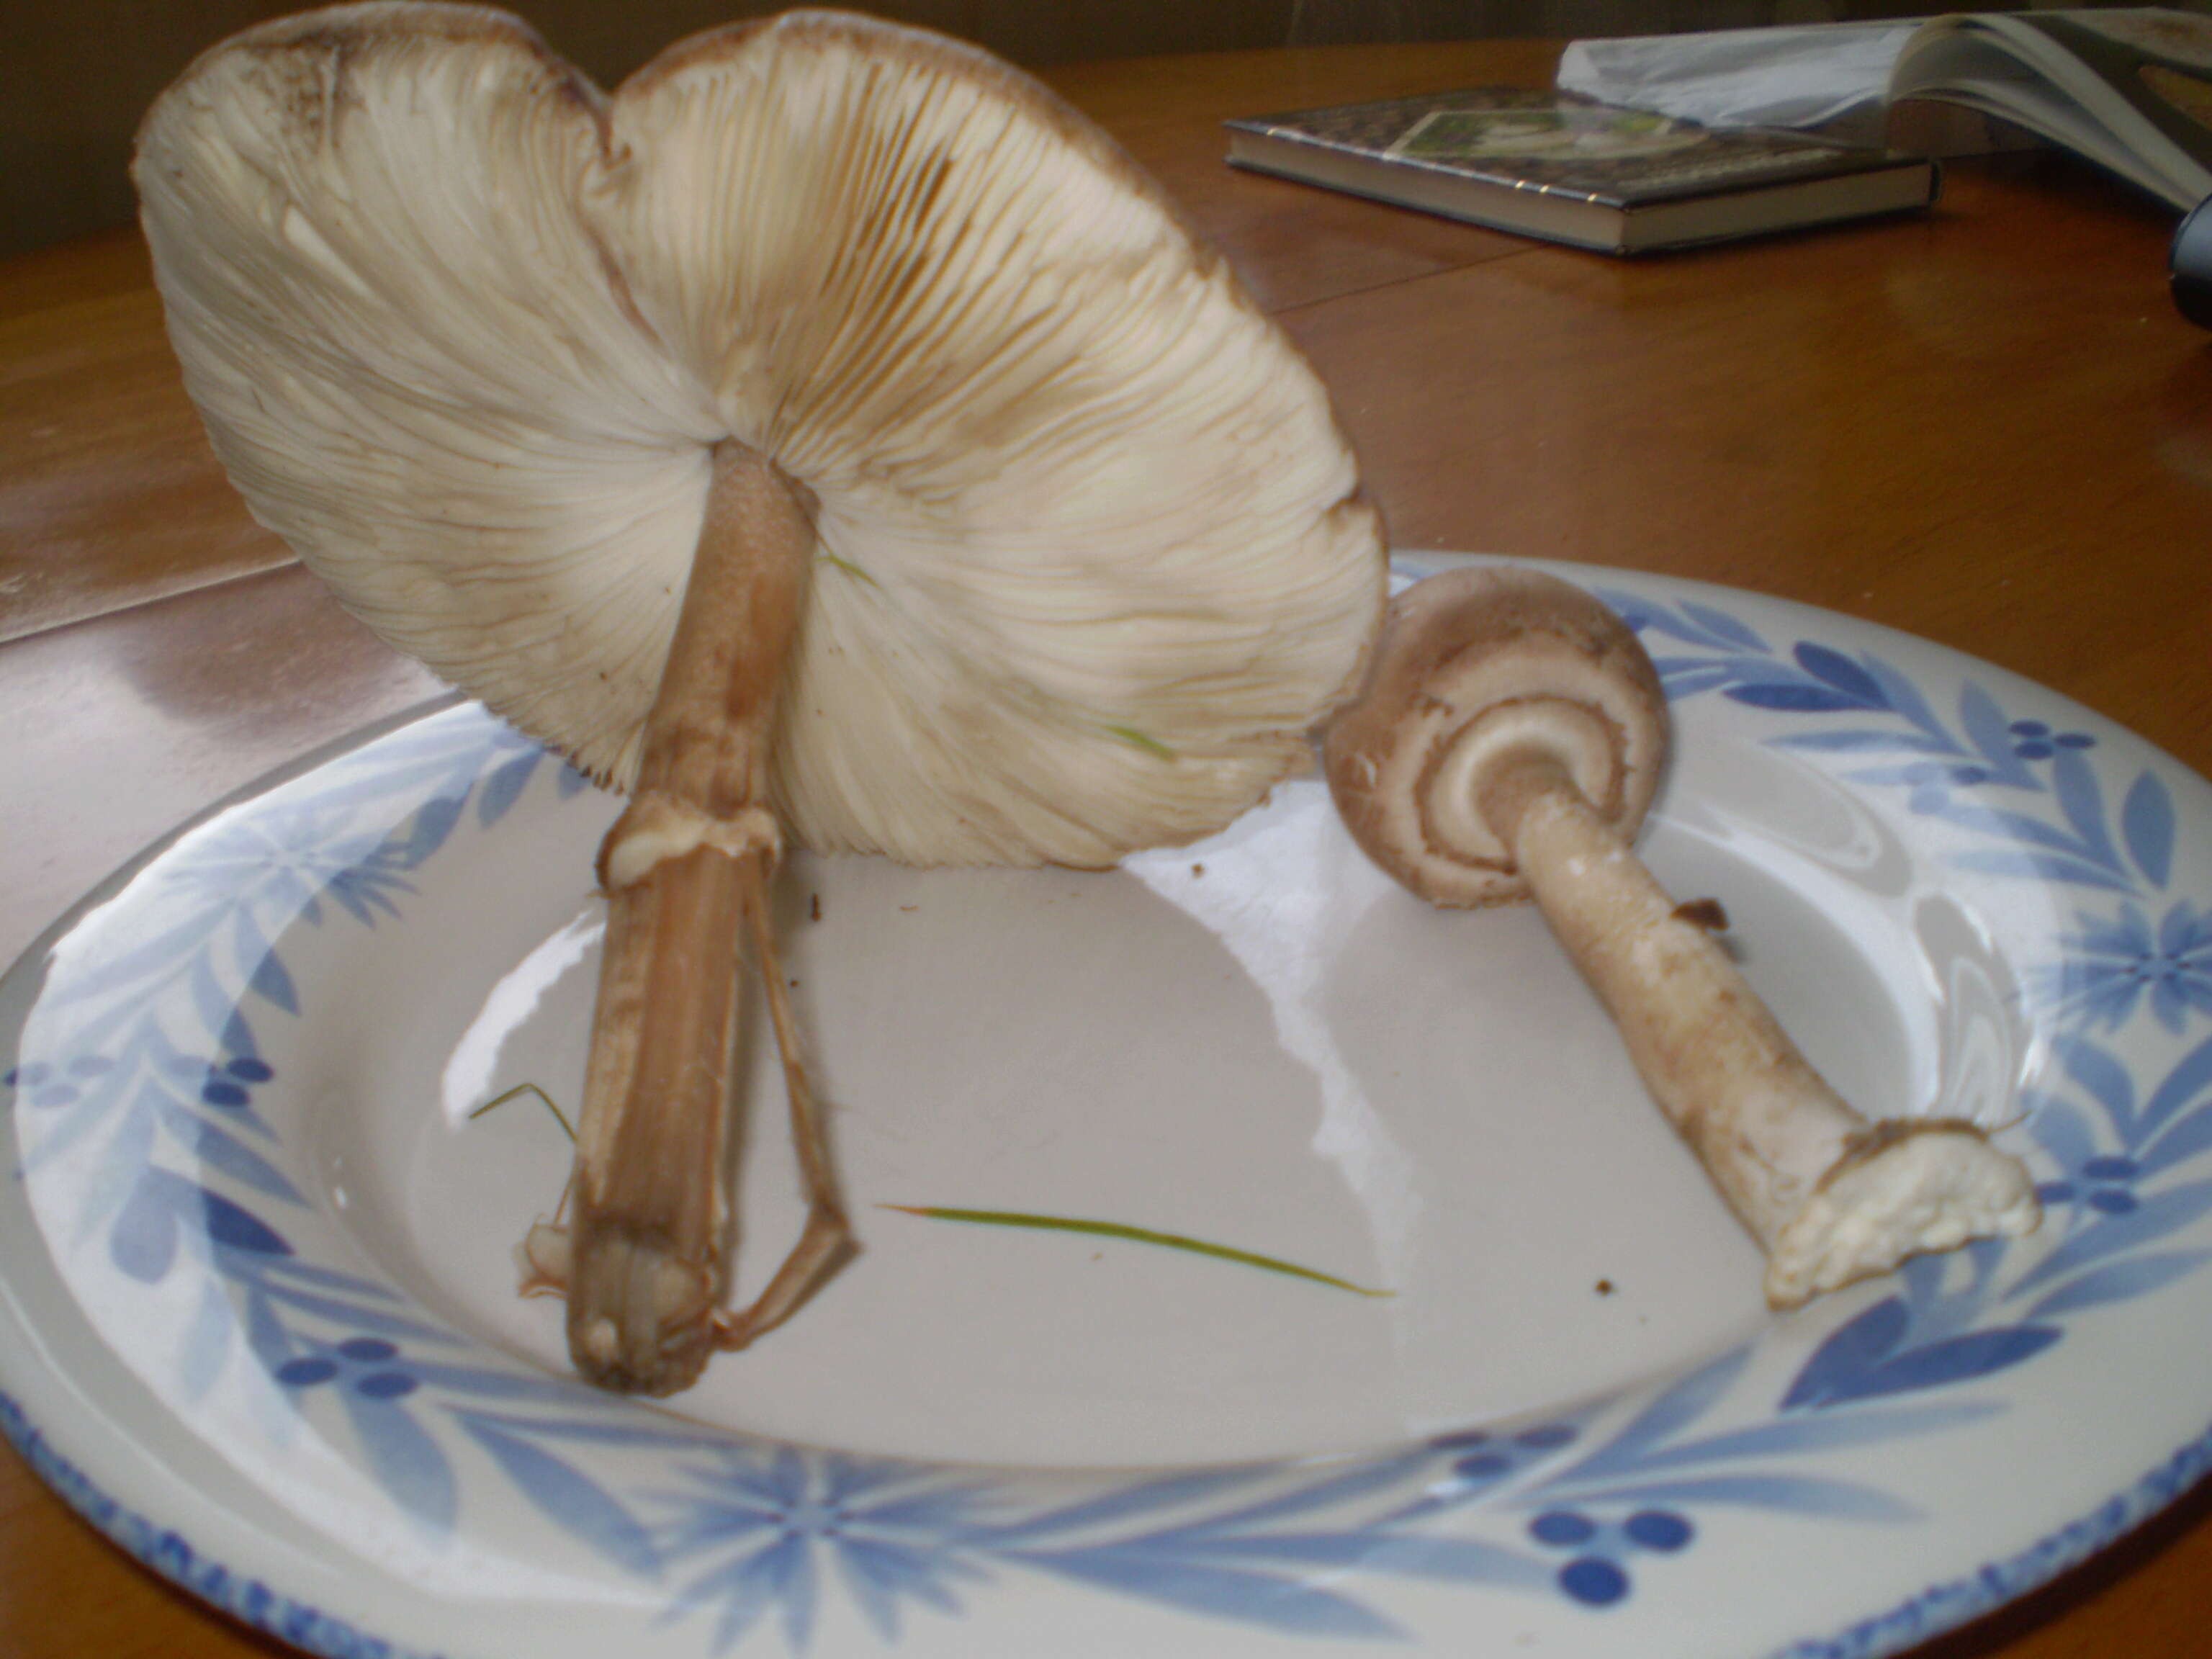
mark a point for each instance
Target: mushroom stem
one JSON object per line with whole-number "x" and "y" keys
{"x": 1830, "y": 1196}
{"x": 1501, "y": 703}
{"x": 686, "y": 868}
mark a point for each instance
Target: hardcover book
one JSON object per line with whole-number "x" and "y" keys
{"x": 1561, "y": 167}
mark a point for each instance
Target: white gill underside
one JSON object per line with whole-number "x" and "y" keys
{"x": 1088, "y": 568}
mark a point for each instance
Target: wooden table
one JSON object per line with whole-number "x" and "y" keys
{"x": 1986, "y": 426}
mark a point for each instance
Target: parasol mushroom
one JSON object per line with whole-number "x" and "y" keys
{"x": 828, "y": 438}
{"x": 1509, "y": 742}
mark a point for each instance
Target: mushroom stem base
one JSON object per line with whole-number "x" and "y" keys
{"x": 650, "y": 1239}
{"x": 1829, "y": 1196}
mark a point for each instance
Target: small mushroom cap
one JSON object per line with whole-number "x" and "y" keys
{"x": 1474, "y": 665}
{"x": 1091, "y": 552}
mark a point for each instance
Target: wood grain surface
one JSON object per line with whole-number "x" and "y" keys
{"x": 1986, "y": 426}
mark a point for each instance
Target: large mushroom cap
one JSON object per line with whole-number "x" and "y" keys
{"x": 1091, "y": 555}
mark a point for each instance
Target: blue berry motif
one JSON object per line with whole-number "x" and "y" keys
{"x": 230, "y": 1082}
{"x": 369, "y": 1364}
{"x": 1481, "y": 1458}
{"x": 1596, "y": 1575}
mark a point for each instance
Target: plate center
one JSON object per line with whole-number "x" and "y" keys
{"x": 1258, "y": 1043}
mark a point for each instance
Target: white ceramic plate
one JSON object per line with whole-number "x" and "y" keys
{"x": 257, "y": 1316}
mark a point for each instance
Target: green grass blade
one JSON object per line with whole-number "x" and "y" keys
{"x": 846, "y": 566}
{"x": 1061, "y": 1223}
{"x": 527, "y": 1089}
{"x": 1150, "y": 745}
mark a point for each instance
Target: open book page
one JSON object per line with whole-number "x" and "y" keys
{"x": 2130, "y": 90}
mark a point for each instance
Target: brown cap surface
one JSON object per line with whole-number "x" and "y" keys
{"x": 1476, "y": 664}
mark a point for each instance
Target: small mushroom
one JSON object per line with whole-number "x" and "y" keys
{"x": 829, "y": 438}
{"x": 1508, "y": 743}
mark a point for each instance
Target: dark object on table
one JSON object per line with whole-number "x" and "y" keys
{"x": 2192, "y": 266}
{"x": 1569, "y": 170}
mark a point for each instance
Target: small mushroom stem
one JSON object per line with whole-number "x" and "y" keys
{"x": 1791, "y": 1158}
{"x": 1508, "y": 745}
{"x": 686, "y": 868}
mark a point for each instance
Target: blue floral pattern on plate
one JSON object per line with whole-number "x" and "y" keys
{"x": 145, "y": 1063}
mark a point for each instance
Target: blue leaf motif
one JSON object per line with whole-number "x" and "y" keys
{"x": 272, "y": 984}
{"x": 2040, "y": 866}
{"x": 570, "y": 1500}
{"x": 1460, "y": 1560}
{"x": 207, "y": 1345}
{"x": 1802, "y": 1494}
{"x": 505, "y": 786}
{"x": 237, "y": 1227}
{"x": 2120, "y": 1281}
{"x": 2186, "y": 1140}
{"x": 1902, "y": 697}
{"x": 2060, "y": 1130}
{"x": 1304, "y": 1498}
{"x": 265, "y": 1333}
{"x": 1685, "y": 682}
{"x": 223, "y": 1222}
{"x": 2018, "y": 826}
{"x": 534, "y": 1387}
{"x": 329, "y": 1279}
{"x": 2150, "y": 1221}
{"x": 1858, "y": 741}
{"x": 1833, "y": 668}
{"x": 791, "y": 1571}
{"x": 2191, "y": 1077}
{"x": 1675, "y": 1410}
{"x": 2099, "y": 1074}
{"x": 265, "y": 973}
{"x": 434, "y": 823}
{"x": 1633, "y": 609}
{"x": 1146, "y": 1496}
{"x": 122, "y": 1162}
{"x": 221, "y": 1150}
{"x": 1694, "y": 625}
{"x": 1890, "y": 776}
{"x": 361, "y": 1318}
{"x": 619, "y": 1433}
{"x": 1293, "y": 1605}
{"x": 143, "y": 1241}
{"x": 1955, "y": 1359}
{"x": 747, "y": 1587}
{"x": 1990, "y": 734}
{"x": 406, "y": 1460}
{"x": 878, "y": 1572}
{"x": 216, "y": 1007}
{"x": 1852, "y": 1351}
{"x": 2083, "y": 799}
{"x": 2146, "y": 823}
{"x": 234, "y": 1036}
{"x": 1794, "y": 699}
{"x": 1724, "y": 626}
{"x": 1795, "y": 1436}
